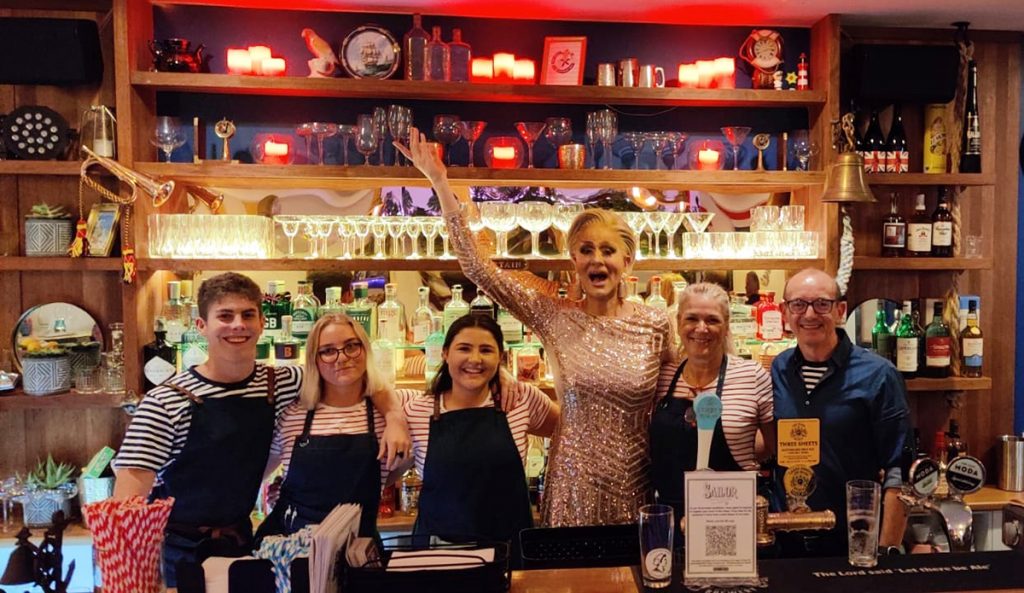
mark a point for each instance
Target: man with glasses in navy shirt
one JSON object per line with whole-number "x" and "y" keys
{"x": 860, "y": 402}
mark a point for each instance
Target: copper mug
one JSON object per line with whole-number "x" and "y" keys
{"x": 651, "y": 76}
{"x": 606, "y": 74}
{"x": 572, "y": 156}
{"x": 629, "y": 71}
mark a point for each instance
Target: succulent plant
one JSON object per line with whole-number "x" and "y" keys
{"x": 36, "y": 348}
{"x": 45, "y": 210}
{"x": 50, "y": 475}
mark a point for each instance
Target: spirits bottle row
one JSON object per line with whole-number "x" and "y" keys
{"x": 927, "y": 351}
{"x": 923, "y": 235}
{"x": 427, "y": 57}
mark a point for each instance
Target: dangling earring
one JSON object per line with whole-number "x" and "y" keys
{"x": 622, "y": 288}
{"x": 576, "y": 292}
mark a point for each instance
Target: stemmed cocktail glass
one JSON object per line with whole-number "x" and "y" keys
{"x": 399, "y": 121}
{"x": 167, "y": 135}
{"x": 608, "y": 129}
{"x": 290, "y": 227}
{"x": 529, "y": 131}
{"x": 447, "y": 132}
{"x": 735, "y": 136}
{"x": 347, "y": 132}
{"x": 558, "y": 131}
{"x": 636, "y": 141}
{"x": 379, "y": 228}
{"x": 367, "y": 137}
{"x": 500, "y": 217}
{"x": 322, "y": 130}
{"x": 380, "y": 121}
{"x": 534, "y": 217}
{"x": 471, "y": 131}
{"x": 345, "y": 231}
{"x": 431, "y": 226}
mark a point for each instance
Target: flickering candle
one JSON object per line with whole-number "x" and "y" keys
{"x": 725, "y": 73}
{"x": 275, "y": 153}
{"x": 705, "y": 73}
{"x": 274, "y": 67}
{"x": 482, "y": 70}
{"x": 524, "y": 71}
{"x": 239, "y": 61}
{"x": 258, "y": 53}
{"x": 688, "y": 76}
{"x": 707, "y": 159}
{"x": 504, "y": 66}
{"x": 503, "y": 157}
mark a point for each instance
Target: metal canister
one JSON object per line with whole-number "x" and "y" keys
{"x": 936, "y": 138}
{"x": 1011, "y": 463}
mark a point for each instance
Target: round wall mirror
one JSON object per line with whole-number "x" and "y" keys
{"x": 863, "y": 317}
{"x": 68, "y": 325}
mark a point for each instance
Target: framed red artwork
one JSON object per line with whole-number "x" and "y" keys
{"x": 563, "y": 60}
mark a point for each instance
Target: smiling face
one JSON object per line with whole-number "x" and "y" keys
{"x": 232, "y": 326}
{"x": 473, "y": 358}
{"x": 601, "y": 259}
{"x": 702, "y": 328}
{"x": 344, "y": 371}
{"x": 815, "y": 332}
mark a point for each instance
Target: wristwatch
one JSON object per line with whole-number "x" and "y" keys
{"x": 889, "y": 551}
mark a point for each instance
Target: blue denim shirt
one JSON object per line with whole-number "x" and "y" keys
{"x": 861, "y": 403}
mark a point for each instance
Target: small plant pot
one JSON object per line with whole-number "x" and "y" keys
{"x": 46, "y": 375}
{"x": 48, "y": 236}
{"x": 39, "y": 506}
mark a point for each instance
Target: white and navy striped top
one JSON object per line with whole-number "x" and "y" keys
{"x": 812, "y": 372}
{"x": 157, "y": 433}
{"x": 746, "y": 404}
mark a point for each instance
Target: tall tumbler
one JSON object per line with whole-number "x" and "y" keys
{"x": 863, "y": 502}
{"x": 656, "y": 521}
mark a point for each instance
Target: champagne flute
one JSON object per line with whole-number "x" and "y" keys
{"x": 167, "y": 135}
{"x": 608, "y": 128}
{"x": 735, "y": 135}
{"x": 529, "y": 131}
{"x": 367, "y": 137}
{"x": 593, "y": 134}
{"x": 447, "y": 132}
{"x": 380, "y": 121}
{"x": 399, "y": 120}
{"x": 471, "y": 131}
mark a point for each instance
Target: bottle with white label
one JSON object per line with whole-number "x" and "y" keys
{"x": 908, "y": 342}
{"x": 389, "y": 315}
{"x": 332, "y": 302}
{"x": 159, "y": 359}
{"x": 942, "y": 227}
{"x": 384, "y": 351}
{"x": 511, "y": 328}
{"x": 919, "y": 231}
{"x": 435, "y": 348}
{"x": 304, "y": 310}
{"x": 971, "y": 343}
{"x": 421, "y": 317}
{"x": 193, "y": 347}
{"x": 455, "y": 308}
{"x": 174, "y": 314}
{"x": 769, "y": 317}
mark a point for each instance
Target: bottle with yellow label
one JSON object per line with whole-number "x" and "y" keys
{"x": 936, "y": 140}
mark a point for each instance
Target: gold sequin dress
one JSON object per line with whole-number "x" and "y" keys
{"x": 606, "y": 372}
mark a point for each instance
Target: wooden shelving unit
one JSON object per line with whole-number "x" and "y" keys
{"x": 922, "y": 264}
{"x": 950, "y": 384}
{"x": 961, "y": 179}
{"x": 445, "y": 91}
{"x": 60, "y": 264}
{"x": 40, "y": 167}
{"x": 72, "y": 400}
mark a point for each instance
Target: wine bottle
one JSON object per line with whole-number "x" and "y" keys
{"x": 970, "y": 151}
{"x": 894, "y": 231}
{"x": 881, "y": 337}
{"x": 415, "y": 44}
{"x": 971, "y": 343}
{"x": 937, "y": 344}
{"x": 942, "y": 228}
{"x": 874, "y": 146}
{"x": 919, "y": 231}
{"x": 897, "y": 157}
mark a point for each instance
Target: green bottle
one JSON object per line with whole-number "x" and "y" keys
{"x": 362, "y": 309}
{"x": 192, "y": 350}
{"x": 938, "y": 342}
{"x": 907, "y": 344}
{"x": 881, "y": 337}
{"x": 435, "y": 347}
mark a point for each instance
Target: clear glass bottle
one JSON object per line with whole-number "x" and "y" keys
{"x": 938, "y": 346}
{"x": 415, "y": 45}
{"x": 511, "y": 328}
{"x": 919, "y": 231}
{"x": 304, "y": 311}
{"x": 384, "y": 350}
{"x": 972, "y": 343}
{"x": 159, "y": 360}
{"x": 362, "y": 309}
{"x": 174, "y": 314}
{"x": 655, "y": 299}
{"x": 286, "y": 348}
{"x": 422, "y": 317}
{"x": 276, "y": 303}
{"x": 632, "y": 296}
{"x": 482, "y": 305}
{"x": 332, "y": 304}
{"x": 528, "y": 361}
{"x": 438, "y": 58}
{"x": 435, "y": 346}
{"x": 461, "y": 56}
{"x": 894, "y": 231}
{"x": 455, "y": 308}
{"x": 192, "y": 351}
{"x": 389, "y": 314}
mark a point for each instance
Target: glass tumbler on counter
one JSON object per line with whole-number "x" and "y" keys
{"x": 656, "y": 532}
{"x": 863, "y": 502}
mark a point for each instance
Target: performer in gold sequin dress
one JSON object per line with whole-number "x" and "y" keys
{"x": 606, "y": 355}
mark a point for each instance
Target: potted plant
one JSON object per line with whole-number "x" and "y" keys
{"x": 48, "y": 230}
{"x": 46, "y": 367}
{"x": 48, "y": 488}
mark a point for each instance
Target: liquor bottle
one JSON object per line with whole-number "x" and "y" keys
{"x": 769, "y": 317}
{"x": 409, "y": 496}
{"x": 874, "y": 146}
{"x": 881, "y": 338}
{"x": 655, "y": 300}
{"x": 186, "y": 293}
{"x": 970, "y": 151}
{"x": 528, "y": 361}
{"x": 158, "y": 358}
{"x": 362, "y": 309}
{"x": 919, "y": 231}
{"x": 435, "y": 349}
{"x": 461, "y": 57}
{"x": 938, "y": 346}
{"x": 389, "y": 315}
{"x": 511, "y": 328}
{"x": 174, "y": 314}
{"x": 971, "y": 343}
{"x": 678, "y": 287}
{"x": 897, "y": 158}
{"x": 304, "y": 310}
{"x": 455, "y": 308}
{"x": 192, "y": 348}
{"x": 942, "y": 227}
{"x": 742, "y": 320}
{"x": 384, "y": 350}
{"x": 437, "y": 64}
{"x": 286, "y": 348}
{"x": 415, "y": 44}
{"x": 955, "y": 446}
{"x": 935, "y": 141}
{"x": 332, "y": 302}
{"x": 274, "y": 306}
{"x": 894, "y": 231}
{"x": 421, "y": 317}
{"x": 907, "y": 344}
{"x": 482, "y": 305}
{"x": 632, "y": 283}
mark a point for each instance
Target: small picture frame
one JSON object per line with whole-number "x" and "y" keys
{"x": 563, "y": 61}
{"x": 102, "y": 228}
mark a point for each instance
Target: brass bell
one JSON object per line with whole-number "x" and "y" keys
{"x": 844, "y": 180}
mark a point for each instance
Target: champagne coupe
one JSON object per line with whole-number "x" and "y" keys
{"x": 290, "y": 226}
{"x": 413, "y": 227}
{"x": 559, "y": 131}
{"x": 500, "y": 217}
{"x": 167, "y": 135}
{"x": 447, "y": 132}
{"x": 305, "y": 131}
{"x": 471, "y": 131}
{"x": 379, "y": 228}
{"x": 322, "y": 130}
{"x": 636, "y": 141}
{"x": 431, "y": 226}
{"x": 347, "y": 132}
{"x": 608, "y": 127}
{"x": 534, "y": 217}
{"x": 361, "y": 225}
{"x": 396, "y": 230}
{"x": 367, "y": 137}
{"x": 380, "y": 121}
{"x": 662, "y": 142}
{"x": 529, "y": 131}
{"x": 593, "y": 134}
{"x": 399, "y": 120}
{"x": 345, "y": 231}
{"x": 735, "y": 135}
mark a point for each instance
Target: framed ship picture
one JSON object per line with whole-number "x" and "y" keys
{"x": 563, "y": 61}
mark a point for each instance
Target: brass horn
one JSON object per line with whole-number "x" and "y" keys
{"x": 159, "y": 190}
{"x": 213, "y": 200}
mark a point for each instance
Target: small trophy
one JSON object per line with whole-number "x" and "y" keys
{"x": 761, "y": 142}
{"x": 225, "y": 129}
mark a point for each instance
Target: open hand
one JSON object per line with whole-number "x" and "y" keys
{"x": 424, "y": 155}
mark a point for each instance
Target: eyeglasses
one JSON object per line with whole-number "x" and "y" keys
{"x": 820, "y": 306}
{"x": 330, "y": 354}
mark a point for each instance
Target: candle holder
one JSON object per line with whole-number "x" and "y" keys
{"x": 503, "y": 152}
{"x": 708, "y": 155}
{"x": 273, "y": 149}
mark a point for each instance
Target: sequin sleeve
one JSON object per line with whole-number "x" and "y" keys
{"x": 530, "y": 298}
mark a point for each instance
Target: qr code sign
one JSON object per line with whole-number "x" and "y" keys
{"x": 720, "y": 540}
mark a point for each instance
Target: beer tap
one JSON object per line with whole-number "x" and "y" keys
{"x": 964, "y": 475}
{"x": 769, "y": 523}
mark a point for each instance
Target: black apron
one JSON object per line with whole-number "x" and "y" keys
{"x": 216, "y": 478}
{"x": 474, "y": 484}
{"x": 326, "y": 471}
{"x": 674, "y": 444}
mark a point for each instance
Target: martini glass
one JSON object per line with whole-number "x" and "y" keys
{"x": 698, "y": 221}
{"x": 471, "y": 131}
{"x": 735, "y": 136}
{"x": 672, "y": 224}
{"x": 529, "y": 131}
{"x": 637, "y": 221}
{"x": 636, "y": 141}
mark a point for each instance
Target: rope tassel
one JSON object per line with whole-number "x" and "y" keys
{"x": 80, "y": 246}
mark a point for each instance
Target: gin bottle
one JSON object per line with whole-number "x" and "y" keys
{"x": 655, "y": 300}
{"x": 174, "y": 314}
{"x": 482, "y": 305}
{"x": 421, "y": 324}
{"x": 461, "y": 57}
{"x": 415, "y": 45}
{"x": 455, "y": 308}
{"x": 332, "y": 296}
{"x": 362, "y": 309}
{"x": 159, "y": 359}
{"x": 511, "y": 328}
{"x": 384, "y": 351}
{"x": 438, "y": 59}
{"x": 286, "y": 348}
{"x": 193, "y": 346}
{"x": 304, "y": 310}
{"x": 435, "y": 346}
{"x": 631, "y": 290}
{"x": 389, "y": 316}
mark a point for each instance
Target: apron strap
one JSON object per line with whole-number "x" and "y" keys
{"x": 303, "y": 438}
{"x": 495, "y": 397}
{"x": 195, "y": 398}
{"x": 370, "y": 424}
{"x": 679, "y": 373}
{"x": 271, "y": 383}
